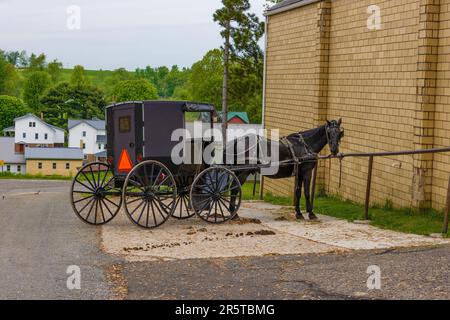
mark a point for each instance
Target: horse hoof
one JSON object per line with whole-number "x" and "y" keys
{"x": 313, "y": 217}
{"x": 299, "y": 217}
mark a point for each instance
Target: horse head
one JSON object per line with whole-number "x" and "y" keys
{"x": 334, "y": 135}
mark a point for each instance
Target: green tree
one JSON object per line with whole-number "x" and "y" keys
{"x": 9, "y": 79}
{"x": 37, "y": 63}
{"x": 206, "y": 78}
{"x": 132, "y": 90}
{"x": 10, "y": 108}
{"x": 35, "y": 85}
{"x": 241, "y": 31}
{"x": 79, "y": 78}
{"x": 116, "y": 77}
{"x": 54, "y": 69}
{"x": 65, "y": 101}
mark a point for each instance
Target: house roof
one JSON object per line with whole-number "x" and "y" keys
{"x": 10, "y": 129}
{"x": 54, "y": 153}
{"x": 96, "y": 124}
{"x": 7, "y": 153}
{"x": 287, "y": 5}
{"x": 30, "y": 115}
{"x": 242, "y": 115}
{"x": 101, "y": 154}
{"x": 101, "y": 139}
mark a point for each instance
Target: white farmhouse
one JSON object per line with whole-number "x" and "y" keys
{"x": 31, "y": 131}
{"x": 90, "y": 136}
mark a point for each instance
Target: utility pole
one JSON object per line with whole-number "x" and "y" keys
{"x": 226, "y": 59}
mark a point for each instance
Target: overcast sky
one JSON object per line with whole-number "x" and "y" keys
{"x": 114, "y": 33}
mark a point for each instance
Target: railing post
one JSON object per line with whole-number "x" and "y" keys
{"x": 369, "y": 186}
{"x": 447, "y": 210}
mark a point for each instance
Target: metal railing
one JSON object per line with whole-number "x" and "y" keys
{"x": 371, "y": 157}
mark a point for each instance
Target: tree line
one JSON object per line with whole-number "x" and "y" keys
{"x": 30, "y": 83}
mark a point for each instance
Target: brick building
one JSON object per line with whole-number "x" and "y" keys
{"x": 390, "y": 83}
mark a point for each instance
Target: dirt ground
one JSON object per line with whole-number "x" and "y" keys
{"x": 263, "y": 230}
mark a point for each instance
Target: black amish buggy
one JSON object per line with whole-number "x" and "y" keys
{"x": 141, "y": 176}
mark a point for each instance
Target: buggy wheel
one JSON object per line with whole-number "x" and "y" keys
{"x": 149, "y": 194}
{"x": 183, "y": 204}
{"x": 94, "y": 196}
{"x": 216, "y": 195}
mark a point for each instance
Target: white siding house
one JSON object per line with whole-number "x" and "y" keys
{"x": 13, "y": 162}
{"x": 30, "y": 130}
{"x": 89, "y": 135}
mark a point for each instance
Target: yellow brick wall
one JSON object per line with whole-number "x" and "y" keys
{"x": 441, "y": 168}
{"x": 372, "y": 86}
{"x": 291, "y": 89}
{"x": 47, "y": 167}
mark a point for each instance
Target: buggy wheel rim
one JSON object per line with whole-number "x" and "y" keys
{"x": 93, "y": 194}
{"x": 216, "y": 195}
{"x": 149, "y": 194}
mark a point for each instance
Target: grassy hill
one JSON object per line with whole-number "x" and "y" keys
{"x": 97, "y": 77}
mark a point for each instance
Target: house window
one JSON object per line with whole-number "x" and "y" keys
{"x": 67, "y": 166}
{"x": 100, "y": 146}
{"x": 84, "y": 145}
{"x": 40, "y": 165}
{"x": 46, "y": 136}
{"x": 36, "y": 136}
{"x": 8, "y": 168}
{"x": 30, "y": 124}
{"x": 54, "y": 166}
{"x": 84, "y": 133}
{"x": 24, "y": 135}
{"x": 19, "y": 168}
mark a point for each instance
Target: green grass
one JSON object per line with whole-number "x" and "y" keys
{"x": 403, "y": 220}
{"x": 7, "y": 175}
{"x": 247, "y": 191}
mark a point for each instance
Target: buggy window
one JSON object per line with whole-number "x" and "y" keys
{"x": 124, "y": 124}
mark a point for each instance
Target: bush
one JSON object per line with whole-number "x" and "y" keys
{"x": 134, "y": 90}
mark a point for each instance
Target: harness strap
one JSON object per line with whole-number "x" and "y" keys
{"x": 289, "y": 144}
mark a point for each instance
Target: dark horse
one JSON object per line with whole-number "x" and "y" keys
{"x": 303, "y": 144}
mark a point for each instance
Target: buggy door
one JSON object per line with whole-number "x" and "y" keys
{"x": 124, "y": 143}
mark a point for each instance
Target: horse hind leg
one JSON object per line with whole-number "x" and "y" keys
{"x": 309, "y": 206}
{"x": 298, "y": 196}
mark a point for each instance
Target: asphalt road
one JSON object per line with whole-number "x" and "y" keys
{"x": 40, "y": 238}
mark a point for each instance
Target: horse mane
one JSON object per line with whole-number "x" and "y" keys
{"x": 309, "y": 133}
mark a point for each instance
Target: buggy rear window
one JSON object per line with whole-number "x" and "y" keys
{"x": 124, "y": 124}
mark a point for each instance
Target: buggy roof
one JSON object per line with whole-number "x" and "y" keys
{"x": 186, "y": 106}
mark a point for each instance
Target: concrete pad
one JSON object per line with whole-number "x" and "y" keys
{"x": 336, "y": 232}
{"x": 264, "y": 230}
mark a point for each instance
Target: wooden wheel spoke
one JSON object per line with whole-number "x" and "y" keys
{"x": 107, "y": 208}
{"x": 93, "y": 177}
{"x": 136, "y": 209}
{"x": 87, "y": 204}
{"x": 84, "y": 199}
{"x": 101, "y": 210}
{"x": 89, "y": 188}
{"x": 90, "y": 210}
{"x": 116, "y": 205}
{"x": 142, "y": 212}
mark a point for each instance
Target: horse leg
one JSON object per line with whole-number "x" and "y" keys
{"x": 298, "y": 196}
{"x": 307, "y": 182}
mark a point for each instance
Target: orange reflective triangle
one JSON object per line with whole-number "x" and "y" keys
{"x": 125, "y": 163}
